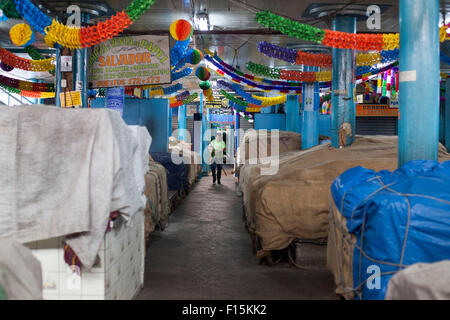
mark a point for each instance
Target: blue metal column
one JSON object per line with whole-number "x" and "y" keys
{"x": 81, "y": 68}
{"x": 447, "y": 114}
{"x": 418, "y": 132}
{"x": 182, "y": 122}
{"x": 293, "y": 113}
{"x": 445, "y": 47}
{"x": 170, "y": 121}
{"x": 342, "y": 103}
{"x": 310, "y": 113}
{"x": 204, "y": 136}
{"x": 58, "y": 77}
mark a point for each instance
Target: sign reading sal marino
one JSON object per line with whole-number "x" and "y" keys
{"x": 375, "y": 110}
{"x": 130, "y": 61}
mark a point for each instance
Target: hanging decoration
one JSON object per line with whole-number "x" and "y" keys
{"x": 80, "y": 37}
{"x": 160, "y": 91}
{"x": 26, "y": 93}
{"x": 35, "y": 55}
{"x": 265, "y": 71}
{"x": 180, "y": 74}
{"x": 189, "y": 99}
{"x": 6, "y": 67}
{"x": 202, "y": 73}
{"x": 179, "y": 97}
{"x": 294, "y": 56}
{"x": 15, "y": 61}
{"x": 192, "y": 56}
{"x": 254, "y": 101}
{"x": 9, "y": 10}
{"x": 207, "y": 91}
{"x": 325, "y": 109}
{"x": 323, "y": 60}
{"x": 181, "y": 30}
{"x": 335, "y": 39}
{"x": 178, "y": 51}
{"x": 223, "y": 69}
{"x": 21, "y": 35}
{"x": 27, "y": 85}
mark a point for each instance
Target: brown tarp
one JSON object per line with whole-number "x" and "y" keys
{"x": 157, "y": 208}
{"x": 294, "y": 203}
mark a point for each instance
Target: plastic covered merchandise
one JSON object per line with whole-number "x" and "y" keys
{"x": 393, "y": 220}
{"x": 176, "y": 173}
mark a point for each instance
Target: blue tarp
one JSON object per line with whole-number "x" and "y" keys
{"x": 399, "y": 218}
{"x": 176, "y": 173}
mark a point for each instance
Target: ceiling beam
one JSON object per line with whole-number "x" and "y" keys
{"x": 216, "y": 32}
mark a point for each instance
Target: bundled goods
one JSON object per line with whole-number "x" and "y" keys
{"x": 377, "y": 223}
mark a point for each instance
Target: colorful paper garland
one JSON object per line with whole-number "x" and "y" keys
{"x": 27, "y": 85}
{"x": 335, "y": 39}
{"x": 15, "y": 61}
{"x": 80, "y": 37}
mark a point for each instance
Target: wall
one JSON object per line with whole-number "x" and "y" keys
{"x": 270, "y": 121}
{"x": 151, "y": 113}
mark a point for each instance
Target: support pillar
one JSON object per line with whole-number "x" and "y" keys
{"x": 170, "y": 120}
{"x": 182, "y": 122}
{"x": 58, "y": 77}
{"x": 447, "y": 115}
{"x": 81, "y": 69}
{"x": 310, "y": 113}
{"x": 293, "y": 113}
{"x": 343, "y": 84}
{"x": 445, "y": 47}
{"x": 418, "y": 133}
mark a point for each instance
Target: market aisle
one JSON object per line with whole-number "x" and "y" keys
{"x": 205, "y": 253}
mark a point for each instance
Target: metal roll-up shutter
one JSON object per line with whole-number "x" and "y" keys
{"x": 174, "y": 123}
{"x": 387, "y": 126}
{"x": 190, "y": 129}
{"x": 244, "y": 125}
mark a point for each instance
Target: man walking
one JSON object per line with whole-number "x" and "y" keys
{"x": 217, "y": 148}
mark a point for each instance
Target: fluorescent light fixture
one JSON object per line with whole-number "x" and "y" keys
{"x": 202, "y": 21}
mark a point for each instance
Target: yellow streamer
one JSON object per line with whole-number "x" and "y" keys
{"x": 368, "y": 59}
{"x": 270, "y": 101}
{"x": 66, "y": 36}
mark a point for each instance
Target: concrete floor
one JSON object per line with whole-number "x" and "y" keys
{"x": 205, "y": 253}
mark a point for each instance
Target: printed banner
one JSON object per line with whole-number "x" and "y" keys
{"x": 70, "y": 99}
{"x": 375, "y": 110}
{"x": 130, "y": 61}
{"x": 115, "y": 99}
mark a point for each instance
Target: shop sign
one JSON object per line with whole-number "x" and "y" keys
{"x": 375, "y": 110}
{"x": 130, "y": 61}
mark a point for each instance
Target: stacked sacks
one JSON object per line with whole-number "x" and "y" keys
{"x": 157, "y": 209}
{"x": 288, "y": 141}
{"x": 382, "y": 222}
{"x": 294, "y": 203}
{"x": 176, "y": 171}
{"x": 191, "y": 158}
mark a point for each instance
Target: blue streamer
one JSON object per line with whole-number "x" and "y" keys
{"x": 33, "y": 15}
{"x": 180, "y": 74}
{"x": 178, "y": 51}
{"x": 172, "y": 89}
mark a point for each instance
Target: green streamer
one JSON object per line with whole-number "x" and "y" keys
{"x": 137, "y": 8}
{"x": 233, "y": 98}
{"x": 261, "y": 70}
{"x": 9, "y": 9}
{"x": 290, "y": 27}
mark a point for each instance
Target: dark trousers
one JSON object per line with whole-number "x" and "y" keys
{"x": 217, "y": 166}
